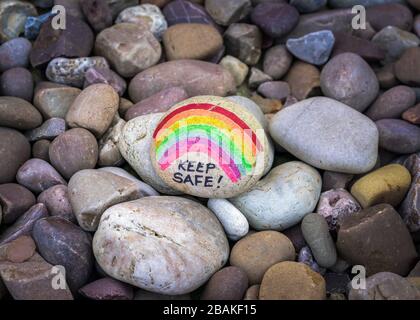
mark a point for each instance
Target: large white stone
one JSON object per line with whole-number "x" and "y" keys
{"x": 167, "y": 245}
{"x": 282, "y": 198}
{"x": 328, "y": 135}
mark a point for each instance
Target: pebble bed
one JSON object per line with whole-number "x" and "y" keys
{"x": 94, "y": 190}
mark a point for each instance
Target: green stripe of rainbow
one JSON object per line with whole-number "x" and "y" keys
{"x": 210, "y": 129}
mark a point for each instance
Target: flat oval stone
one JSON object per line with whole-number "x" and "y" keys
{"x": 74, "y": 150}
{"x": 130, "y": 48}
{"x": 148, "y": 15}
{"x": 72, "y": 71}
{"x": 398, "y": 136}
{"x": 378, "y": 239}
{"x": 282, "y": 198}
{"x": 159, "y": 102}
{"x": 210, "y": 147}
{"x": 14, "y": 151}
{"x": 61, "y": 242}
{"x": 392, "y": 103}
{"x": 407, "y": 68}
{"x": 279, "y": 90}
{"x": 57, "y": 201}
{"x": 17, "y": 82}
{"x": 350, "y": 80}
{"x": 76, "y": 40}
{"x": 135, "y": 143}
{"x": 314, "y": 48}
{"x": 277, "y": 61}
{"x": 196, "y": 77}
{"x": 91, "y": 192}
{"x": 103, "y": 102}
{"x": 327, "y": 134}
{"x": 191, "y": 41}
{"x": 275, "y": 19}
{"x": 389, "y": 14}
{"x": 257, "y": 252}
{"x": 230, "y": 283}
{"x": 15, "y": 53}
{"x": 54, "y": 100}
{"x": 317, "y": 235}
{"x": 18, "y": 114}
{"x": 15, "y": 200}
{"x": 388, "y": 184}
{"x": 292, "y": 281}
{"x": 38, "y": 175}
{"x": 138, "y": 242}
{"x": 338, "y": 20}
{"x": 233, "y": 221}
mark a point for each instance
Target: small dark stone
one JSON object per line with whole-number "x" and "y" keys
{"x": 275, "y": 19}
{"x": 75, "y": 41}
{"x": 15, "y": 200}
{"x": 398, "y": 136}
{"x": 230, "y": 283}
{"x": 61, "y": 242}
{"x": 98, "y": 13}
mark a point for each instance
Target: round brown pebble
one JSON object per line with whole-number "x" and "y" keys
{"x": 292, "y": 281}
{"x": 259, "y": 251}
{"x": 191, "y": 41}
{"x": 74, "y": 150}
{"x": 230, "y": 283}
{"x": 94, "y": 108}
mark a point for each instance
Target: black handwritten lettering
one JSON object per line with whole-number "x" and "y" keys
{"x": 181, "y": 165}
{"x": 200, "y": 167}
{"x": 178, "y": 177}
{"x": 208, "y": 182}
{"x": 210, "y": 166}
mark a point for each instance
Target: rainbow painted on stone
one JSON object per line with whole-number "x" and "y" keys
{"x": 210, "y": 129}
